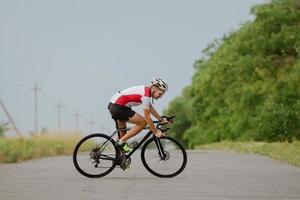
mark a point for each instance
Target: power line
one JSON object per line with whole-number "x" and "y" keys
{"x": 58, "y": 106}
{"x": 77, "y": 115}
{"x": 36, "y": 89}
{"x": 10, "y": 118}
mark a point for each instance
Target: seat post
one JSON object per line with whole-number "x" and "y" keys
{"x": 117, "y": 127}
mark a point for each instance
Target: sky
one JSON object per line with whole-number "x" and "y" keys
{"x": 82, "y": 52}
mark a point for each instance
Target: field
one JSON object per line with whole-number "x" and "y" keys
{"x": 14, "y": 150}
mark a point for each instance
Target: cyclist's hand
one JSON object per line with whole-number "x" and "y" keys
{"x": 159, "y": 134}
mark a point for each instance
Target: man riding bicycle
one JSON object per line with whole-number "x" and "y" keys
{"x": 120, "y": 110}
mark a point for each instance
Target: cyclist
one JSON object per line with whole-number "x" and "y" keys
{"x": 120, "y": 110}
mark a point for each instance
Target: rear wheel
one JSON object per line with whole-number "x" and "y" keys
{"x": 164, "y": 157}
{"x": 95, "y": 155}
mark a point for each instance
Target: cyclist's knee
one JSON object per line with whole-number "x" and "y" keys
{"x": 143, "y": 123}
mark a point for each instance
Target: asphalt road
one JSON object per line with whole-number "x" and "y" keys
{"x": 209, "y": 175}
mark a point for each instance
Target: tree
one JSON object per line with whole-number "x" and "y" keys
{"x": 246, "y": 86}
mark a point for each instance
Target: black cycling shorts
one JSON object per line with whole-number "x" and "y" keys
{"x": 122, "y": 113}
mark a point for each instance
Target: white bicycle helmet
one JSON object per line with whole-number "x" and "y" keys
{"x": 158, "y": 82}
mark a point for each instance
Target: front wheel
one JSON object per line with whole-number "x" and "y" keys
{"x": 164, "y": 157}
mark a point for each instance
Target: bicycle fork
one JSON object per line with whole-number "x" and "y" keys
{"x": 160, "y": 148}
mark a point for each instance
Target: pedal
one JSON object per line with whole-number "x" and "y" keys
{"x": 125, "y": 162}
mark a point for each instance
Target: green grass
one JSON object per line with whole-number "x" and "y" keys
{"x": 14, "y": 150}
{"x": 288, "y": 152}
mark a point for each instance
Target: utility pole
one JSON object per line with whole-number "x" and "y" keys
{"x": 35, "y": 90}
{"x": 10, "y": 118}
{"x": 92, "y": 123}
{"x": 77, "y": 115}
{"x": 58, "y": 106}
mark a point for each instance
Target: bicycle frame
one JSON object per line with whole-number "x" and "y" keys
{"x": 140, "y": 142}
{"x": 157, "y": 141}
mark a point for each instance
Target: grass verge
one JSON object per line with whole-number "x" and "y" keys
{"x": 288, "y": 152}
{"x": 14, "y": 150}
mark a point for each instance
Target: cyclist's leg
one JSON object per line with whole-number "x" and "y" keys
{"x": 140, "y": 125}
{"x": 121, "y": 124}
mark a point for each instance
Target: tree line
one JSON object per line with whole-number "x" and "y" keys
{"x": 246, "y": 86}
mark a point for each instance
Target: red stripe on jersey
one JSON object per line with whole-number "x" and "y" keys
{"x": 123, "y": 100}
{"x": 147, "y": 92}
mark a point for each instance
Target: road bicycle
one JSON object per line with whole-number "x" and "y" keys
{"x": 96, "y": 155}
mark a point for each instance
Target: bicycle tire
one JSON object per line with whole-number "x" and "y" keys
{"x": 171, "y": 141}
{"x": 83, "y": 141}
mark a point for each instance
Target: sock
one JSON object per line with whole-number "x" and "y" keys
{"x": 120, "y": 142}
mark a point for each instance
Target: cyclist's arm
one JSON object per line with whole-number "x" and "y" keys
{"x": 147, "y": 112}
{"x": 149, "y": 121}
{"x": 155, "y": 113}
{"x": 158, "y": 117}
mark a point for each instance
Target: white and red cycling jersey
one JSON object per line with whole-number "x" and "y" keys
{"x": 133, "y": 96}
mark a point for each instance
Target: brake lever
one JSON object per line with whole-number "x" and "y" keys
{"x": 163, "y": 130}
